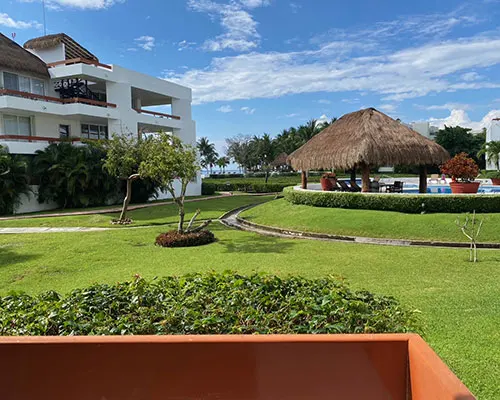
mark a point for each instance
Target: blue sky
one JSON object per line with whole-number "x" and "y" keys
{"x": 263, "y": 65}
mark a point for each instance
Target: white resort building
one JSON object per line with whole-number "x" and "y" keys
{"x": 54, "y": 89}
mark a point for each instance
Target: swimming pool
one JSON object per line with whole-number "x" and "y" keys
{"x": 445, "y": 189}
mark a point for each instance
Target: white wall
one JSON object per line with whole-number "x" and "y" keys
{"x": 50, "y": 55}
{"x": 193, "y": 189}
{"x": 493, "y": 134}
{"x": 31, "y": 204}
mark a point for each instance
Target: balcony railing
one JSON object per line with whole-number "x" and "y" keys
{"x": 72, "y": 61}
{"x": 157, "y": 114}
{"x": 33, "y": 96}
{"x": 39, "y": 139}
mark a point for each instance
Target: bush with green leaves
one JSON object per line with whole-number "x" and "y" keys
{"x": 212, "y": 303}
{"x": 14, "y": 180}
{"x": 189, "y": 239}
{"x": 406, "y": 203}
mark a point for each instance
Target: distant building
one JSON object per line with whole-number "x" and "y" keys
{"x": 493, "y": 134}
{"x": 425, "y": 129}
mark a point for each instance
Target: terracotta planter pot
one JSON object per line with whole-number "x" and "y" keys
{"x": 495, "y": 181}
{"x": 464, "y": 187}
{"x": 313, "y": 367}
{"x": 327, "y": 184}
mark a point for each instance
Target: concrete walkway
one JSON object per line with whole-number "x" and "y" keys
{"x": 232, "y": 220}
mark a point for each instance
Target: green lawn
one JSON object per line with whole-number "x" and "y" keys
{"x": 157, "y": 215}
{"x": 457, "y": 300}
{"x": 380, "y": 224}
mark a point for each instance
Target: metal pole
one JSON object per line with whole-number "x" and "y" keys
{"x": 44, "y": 20}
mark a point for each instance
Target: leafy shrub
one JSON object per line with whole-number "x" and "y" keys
{"x": 213, "y": 303}
{"x": 248, "y": 186}
{"x": 406, "y": 203}
{"x": 225, "y": 176}
{"x": 461, "y": 168}
{"x": 177, "y": 239}
{"x": 207, "y": 189}
{"x": 492, "y": 174}
{"x": 14, "y": 180}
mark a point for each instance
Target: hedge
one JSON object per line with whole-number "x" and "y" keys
{"x": 213, "y": 303}
{"x": 406, "y": 203}
{"x": 242, "y": 186}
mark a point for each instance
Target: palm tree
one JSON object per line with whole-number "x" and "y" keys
{"x": 492, "y": 152}
{"x": 207, "y": 153}
{"x": 14, "y": 180}
{"x": 222, "y": 162}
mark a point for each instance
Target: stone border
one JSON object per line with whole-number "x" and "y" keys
{"x": 233, "y": 220}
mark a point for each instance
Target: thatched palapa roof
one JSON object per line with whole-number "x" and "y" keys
{"x": 367, "y": 137}
{"x": 71, "y": 47}
{"x": 280, "y": 160}
{"x": 13, "y": 57}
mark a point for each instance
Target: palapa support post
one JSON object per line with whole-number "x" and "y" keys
{"x": 304, "y": 180}
{"x": 365, "y": 168}
{"x": 353, "y": 174}
{"x": 422, "y": 187}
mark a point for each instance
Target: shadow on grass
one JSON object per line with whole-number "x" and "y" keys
{"x": 9, "y": 257}
{"x": 257, "y": 244}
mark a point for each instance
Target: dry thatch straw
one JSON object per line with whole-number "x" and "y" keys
{"x": 14, "y": 58}
{"x": 71, "y": 47}
{"x": 280, "y": 160}
{"x": 367, "y": 137}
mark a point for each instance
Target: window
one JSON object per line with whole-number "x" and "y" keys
{"x": 64, "y": 131}
{"x": 15, "y": 125}
{"x": 93, "y": 131}
{"x": 23, "y": 83}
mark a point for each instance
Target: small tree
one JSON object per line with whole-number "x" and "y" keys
{"x": 169, "y": 160}
{"x": 471, "y": 229}
{"x": 492, "y": 151}
{"x": 124, "y": 155}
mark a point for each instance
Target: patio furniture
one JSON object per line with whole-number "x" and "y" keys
{"x": 345, "y": 187}
{"x": 397, "y": 187}
{"x": 375, "y": 186}
{"x": 355, "y": 186}
{"x": 434, "y": 178}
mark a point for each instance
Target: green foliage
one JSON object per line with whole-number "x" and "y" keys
{"x": 208, "y": 189}
{"x": 73, "y": 176}
{"x": 491, "y": 174}
{"x": 14, "y": 180}
{"x": 176, "y": 239}
{"x": 123, "y": 155}
{"x": 405, "y": 203}
{"x": 460, "y": 140}
{"x": 244, "y": 186}
{"x": 492, "y": 151}
{"x": 208, "y": 155}
{"x": 213, "y": 303}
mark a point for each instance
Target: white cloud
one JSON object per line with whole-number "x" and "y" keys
{"x": 292, "y": 115}
{"x": 225, "y": 109}
{"x": 389, "y": 108}
{"x": 295, "y": 7}
{"x": 240, "y": 29}
{"x": 184, "y": 44}
{"x": 322, "y": 120}
{"x": 9, "y": 22}
{"x": 350, "y": 101}
{"x": 407, "y": 73}
{"x": 460, "y": 117}
{"x": 470, "y": 76}
{"x": 324, "y": 101}
{"x": 447, "y": 106}
{"x": 145, "y": 42}
{"x": 81, "y": 4}
{"x": 248, "y": 110}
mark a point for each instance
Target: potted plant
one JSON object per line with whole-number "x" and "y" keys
{"x": 494, "y": 176}
{"x": 463, "y": 170}
{"x": 328, "y": 181}
{"x": 492, "y": 152}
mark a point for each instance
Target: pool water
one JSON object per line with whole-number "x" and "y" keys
{"x": 445, "y": 189}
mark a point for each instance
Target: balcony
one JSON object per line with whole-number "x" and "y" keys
{"x": 158, "y": 121}
{"x": 30, "y": 144}
{"x": 73, "y": 61}
{"x": 32, "y": 96}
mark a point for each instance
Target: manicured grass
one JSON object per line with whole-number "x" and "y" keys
{"x": 381, "y": 224}
{"x": 458, "y": 301}
{"x": 158, "y": 215}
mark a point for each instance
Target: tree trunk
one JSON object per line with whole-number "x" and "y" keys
{"x": 267, "y": 176}
{"x": 353, "y": 174}
{"x": 180, "y": 227}
{"x": 128, "y": 196}
{"x": 366, "y": 177}
{"x": 423, "y": 179}
{"x": 304, "y": 180}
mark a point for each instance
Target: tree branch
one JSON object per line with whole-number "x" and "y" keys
{"x": 199, "y": 228}
{"x": 193, "y": 219}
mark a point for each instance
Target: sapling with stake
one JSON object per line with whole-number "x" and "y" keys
{"x": 471, "y": 229}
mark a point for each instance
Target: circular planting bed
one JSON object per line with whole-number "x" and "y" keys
{"x": 407, "y": 203}
{"x": 178, "y": 239}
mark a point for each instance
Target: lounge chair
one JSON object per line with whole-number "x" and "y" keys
{"x": 434, "y": 178}
{"x": 355, "y": 186}
{"x": 396, "y": 188}
{"x": 345, "y": 187}
{"x": 374, "y": 186}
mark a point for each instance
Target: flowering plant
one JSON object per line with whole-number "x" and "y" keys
{"x": 461, "y": 168}
{"x": 329, "y": 175}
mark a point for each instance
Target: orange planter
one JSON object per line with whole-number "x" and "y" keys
{"x": 326, "y": 184}
{"x": 311, "y": 367}
{"x": 495, "y": 181}
{"x": 464, "y": 187}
